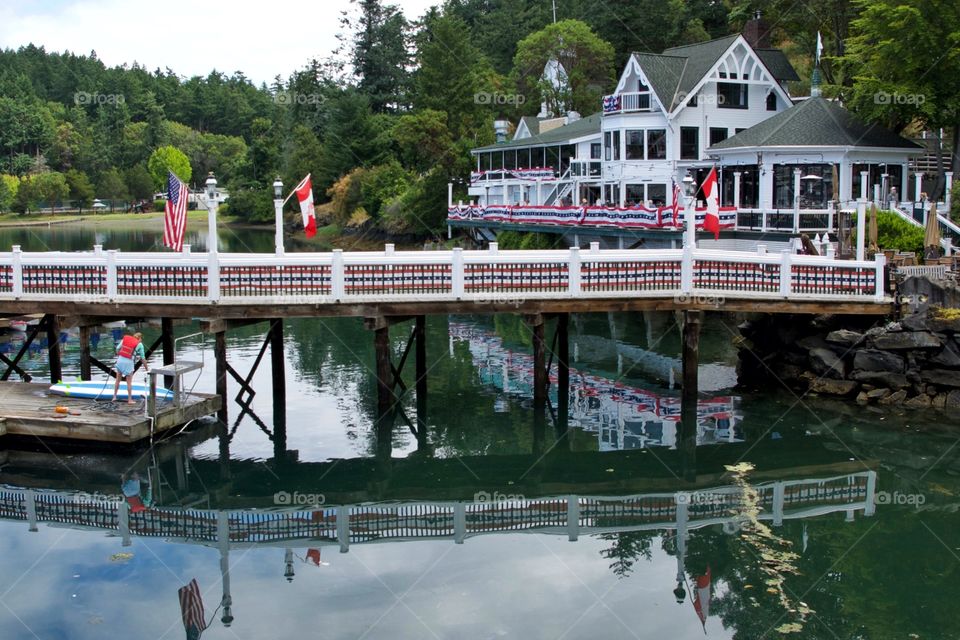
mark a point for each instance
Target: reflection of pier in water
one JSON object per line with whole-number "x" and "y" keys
{"x": 374, "y": 500}
{"x": 622, "y": 416}
{"x": 343, "y": 525}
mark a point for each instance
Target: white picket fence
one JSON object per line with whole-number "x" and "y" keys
{"x": 410, "y": 276}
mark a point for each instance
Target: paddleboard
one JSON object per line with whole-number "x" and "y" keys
{"x": 94, "y": 390}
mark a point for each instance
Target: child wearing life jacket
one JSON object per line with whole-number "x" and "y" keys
{"x": 129, "y": 352}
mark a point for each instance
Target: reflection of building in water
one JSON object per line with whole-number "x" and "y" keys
{"x": 622, "y": 416}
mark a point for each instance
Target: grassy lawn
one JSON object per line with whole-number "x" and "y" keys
{"x": 17, "y": 219}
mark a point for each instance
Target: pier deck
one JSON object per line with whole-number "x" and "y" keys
{"x": 28, "y": 409}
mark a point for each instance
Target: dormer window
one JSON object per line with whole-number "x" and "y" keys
{"x": 732, "y": 95}
{"x": 643, "y": 96}
{"x": 771, "y": 101}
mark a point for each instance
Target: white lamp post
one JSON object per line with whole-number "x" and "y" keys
{"x": 689, "y": 212}
{"x": 211, "y": 185}
{"x": 278, "y": 214}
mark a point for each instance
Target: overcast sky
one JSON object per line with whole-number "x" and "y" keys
{"x": 191, "y": 37}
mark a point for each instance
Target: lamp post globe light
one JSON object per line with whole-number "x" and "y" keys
{"x": 689, "y": 211}
{"x": 278, "y": 214}
{"x": 211, "y": 193}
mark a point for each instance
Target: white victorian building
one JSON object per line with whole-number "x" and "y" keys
{"x": 674, "y": 116}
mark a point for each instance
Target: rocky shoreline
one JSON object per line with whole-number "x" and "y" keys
{"x": 913, "y": 363}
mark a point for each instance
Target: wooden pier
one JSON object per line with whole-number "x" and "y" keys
{"x": 28, "y": 409}
{"x": 389, "y": 288}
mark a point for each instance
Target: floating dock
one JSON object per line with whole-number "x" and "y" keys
{"x": 28, "y": 409}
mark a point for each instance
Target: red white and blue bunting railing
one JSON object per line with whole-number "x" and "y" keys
{"x": 625, "y": 217}
{"x": 534, "y": 173}
{"x": 611, "y": 104}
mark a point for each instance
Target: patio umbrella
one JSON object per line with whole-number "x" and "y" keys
{"x": 931, "y": 237}
{"x": 872, "y": 233}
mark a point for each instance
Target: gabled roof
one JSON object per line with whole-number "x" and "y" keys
{"x": 663, "y": 73}
{"x": 700, "y": 57}
{"x": 582, "y": 127}
{"x": 815, "y": 122}
{"x": 532, "y": 123}
{"x": 674, "y": 73}
{"x": 776, "y": 61}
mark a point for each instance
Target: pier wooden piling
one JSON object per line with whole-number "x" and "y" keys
{"x": 52, "y": 324}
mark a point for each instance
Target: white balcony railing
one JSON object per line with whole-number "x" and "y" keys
{"x": 111, "y": 277}
{"x": 627, "y": 102}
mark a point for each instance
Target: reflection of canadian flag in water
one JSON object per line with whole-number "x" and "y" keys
{"x": 701, "y": 597}
{"x": 711, "y": 193}
{"x": 304, "y": 193}
{"x": 313, "y": 555}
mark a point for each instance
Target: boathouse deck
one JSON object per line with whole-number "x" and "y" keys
{"x": 27, "y": 409}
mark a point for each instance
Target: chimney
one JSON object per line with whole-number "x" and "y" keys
{"x": 757, "y": 32}
{"x": 501, "y": 128}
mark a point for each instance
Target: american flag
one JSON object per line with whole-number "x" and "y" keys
{"x": 175, "y": 212}
{"x": 191, "y": 608}
{"x": 676, "y": 201}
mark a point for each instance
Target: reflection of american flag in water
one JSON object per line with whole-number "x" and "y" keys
{"x": 175, "y": 213}
{"x": 191, "y": 608}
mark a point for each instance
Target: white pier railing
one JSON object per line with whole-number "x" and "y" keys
{"x": 411, "y": 276}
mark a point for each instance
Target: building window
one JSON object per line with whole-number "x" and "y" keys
{"x": 607, "y": 152}
{"x": 657, "y": 194}
{"x": 657, "y": 144}
{"x": 732, "y": 95}
{"x": 738, "y": 130}
{"x": 689, "y": 143}
{"x": 595, "y": 150}
{"x": 717, "y": 135}
{"x": 692, "y": 102}
{"x": 771, "y": 101}
{"x": 616, "y": 145}
{"x": 634, "y": 145}
{"x": 633, "y": 194}
{"x": 523, "y": 158}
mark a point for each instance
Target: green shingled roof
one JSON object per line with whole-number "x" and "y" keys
{"x": 674, "y": 73}
{"x": 560, "y": 135}
{"x": 700, "y": 57}
{"x": 778, "y": 64}
{"x": 815, "y": 122}
{"x": 533, "y": 124}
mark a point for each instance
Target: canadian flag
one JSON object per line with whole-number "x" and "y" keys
{"x": 711, "y": 193}
{"x": 304, "y": 193}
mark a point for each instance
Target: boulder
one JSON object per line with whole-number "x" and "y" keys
{"x": 949, "y": 356}
{"x": 876, "y": 360}
{"x": 881, "y": 379}
{"x": 895, "y": 398}
{"x": 833, "y": 387}
{"x": 813, "y": 342}
{"x": 827, "y": 363}
{"x": 862, "y": 398}
{"x": 941, "y": 324}
{"x": 940, "y": 401}
{"x": 915, "y": 322}
{"x": 952, "y": 402}
{"x": 789, "y": 372}
{"x": 878, "y": 394}
{"x": 941, "y": 378}
{"x": 845, "y": 337}
{"x": 922, "y": 401}
{"x": 907, "y": 340}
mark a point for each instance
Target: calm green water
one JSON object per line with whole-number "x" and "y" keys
{"x": 828, "y": 571}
